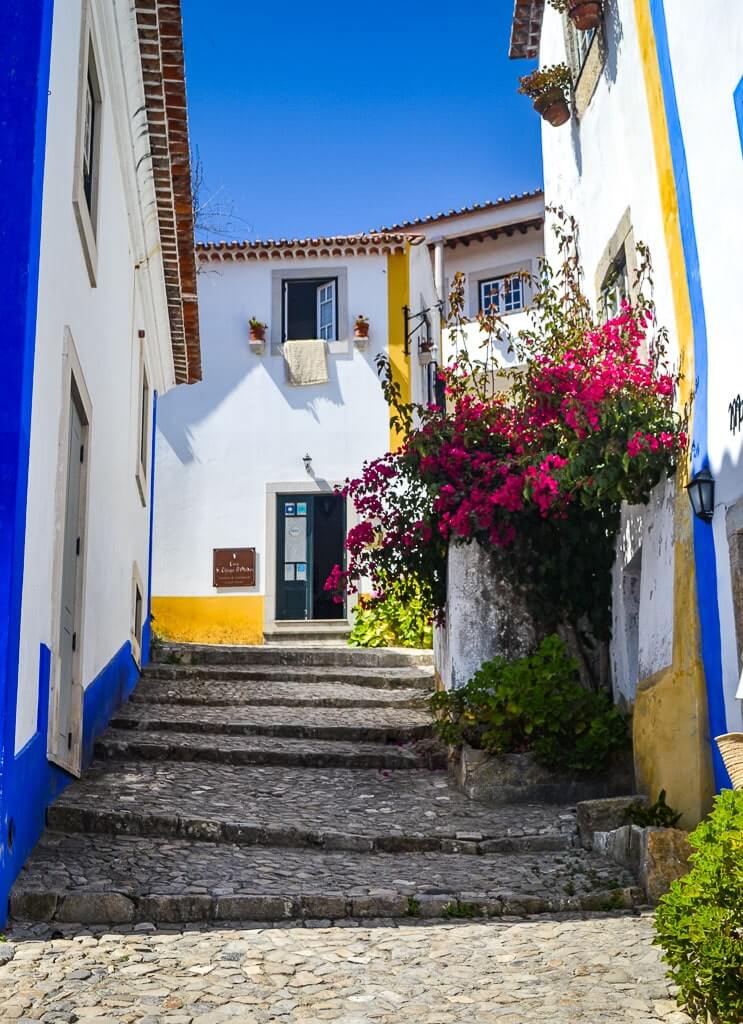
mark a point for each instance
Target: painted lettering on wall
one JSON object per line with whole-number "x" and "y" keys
{"x": 735, "y": 408}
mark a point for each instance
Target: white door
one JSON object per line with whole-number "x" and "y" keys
{"x": 66, "y": 723}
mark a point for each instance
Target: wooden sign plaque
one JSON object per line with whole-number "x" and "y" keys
{"x": 234, "y": 567}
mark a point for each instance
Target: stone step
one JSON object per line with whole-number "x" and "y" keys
{"x": 416, "y": 678}
{"x": 199, "y": 692}
{"x": 336, "y": 636}
{"x": 333, "y": 809}
{"x": 265, "y": 750}
{"x": 278, "y": 654}
{"x": 94, "y": 879}
{"x": 366, "y": 725}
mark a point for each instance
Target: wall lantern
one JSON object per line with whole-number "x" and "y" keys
{"x": 701, "y": 490}
{"x": 307, "y": 460}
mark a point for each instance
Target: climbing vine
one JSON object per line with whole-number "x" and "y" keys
{"x": 534, "y": 462}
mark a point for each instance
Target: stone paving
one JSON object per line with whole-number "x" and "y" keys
{"x": 570, "y": 970}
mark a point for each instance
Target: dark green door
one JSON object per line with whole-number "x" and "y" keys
{"x": 311, "y": 530}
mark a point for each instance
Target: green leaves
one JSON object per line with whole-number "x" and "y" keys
{"x": 402, "y": 617}
{"x": 534, "y": 704}
{"x": 699, "y": 923}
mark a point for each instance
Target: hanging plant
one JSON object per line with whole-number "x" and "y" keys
{"x": 584, "y": 14}
{"x": 550, "y": 88}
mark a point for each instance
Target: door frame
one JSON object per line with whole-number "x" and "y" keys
{"x": 74, "y": 389}
{"x": 311, "y": 487}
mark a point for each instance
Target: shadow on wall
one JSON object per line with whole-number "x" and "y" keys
{"x": 613, "y": 34}
{"x": 227, "y": 363}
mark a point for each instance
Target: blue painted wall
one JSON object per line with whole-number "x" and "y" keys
{"x": 704, "y": 546}
{"x": 25, "y": 47}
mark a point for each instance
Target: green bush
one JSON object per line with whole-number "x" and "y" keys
{"x": 535, "y": 704}
{"x": 699, "y": 923}
{"x": 401, "y": 617}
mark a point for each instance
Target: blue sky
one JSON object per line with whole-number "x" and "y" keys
{"x": 340, "y": 117}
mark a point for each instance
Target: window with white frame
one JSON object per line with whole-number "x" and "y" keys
{"x": 310, "y": 309}
{"x": 143, "y": 430}
{"x": 501, "y": 295}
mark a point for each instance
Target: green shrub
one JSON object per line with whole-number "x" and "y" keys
{"x": 699, "y": 923}
{"x": 401, "y": 617}
{"x": 657, "y": 815}
{"x": 534, "y": 704}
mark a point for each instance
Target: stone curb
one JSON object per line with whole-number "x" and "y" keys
{"x": 66, "y": 818}
{"x": 413, "y": 679}
{"x": 121, "y": 908}
{"x": 138, "y": 745}
{"x": 284, "y": 730}
{"x": 380, "y": 658}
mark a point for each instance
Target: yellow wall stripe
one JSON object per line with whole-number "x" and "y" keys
{"x": 398, "y": 295}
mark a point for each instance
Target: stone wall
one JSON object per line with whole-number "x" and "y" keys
{"x": 485, "y": 617}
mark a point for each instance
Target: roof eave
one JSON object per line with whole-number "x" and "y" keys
{"x": 160, "y": 32}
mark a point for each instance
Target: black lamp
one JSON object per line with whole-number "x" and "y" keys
{"x": 701, "y": 490}
{"x": 307, "y": 460}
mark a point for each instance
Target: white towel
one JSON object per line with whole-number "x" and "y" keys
{"x": 306, "y": 362}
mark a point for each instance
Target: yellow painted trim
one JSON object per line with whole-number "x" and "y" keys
{"x": 670, "y": 726}
{"x": 221, "y": 619}
{"x": 398, "y": 295}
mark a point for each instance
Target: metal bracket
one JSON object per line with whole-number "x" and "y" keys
{"x": 421, "y": 318}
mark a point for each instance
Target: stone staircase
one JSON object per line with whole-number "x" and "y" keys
{"x": 279, "y": 783}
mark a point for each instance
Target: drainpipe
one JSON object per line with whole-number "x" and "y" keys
{"x": 440, "y": 284}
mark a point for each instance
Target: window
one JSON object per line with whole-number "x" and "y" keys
{"x": 501, "y": 295}
{"x": 143, "y": 431}
{"x": 86, "y": 185}
{"x": 615, "y": 288}
{"x": 583, "y": 42}
{"x": 310, "y": 309}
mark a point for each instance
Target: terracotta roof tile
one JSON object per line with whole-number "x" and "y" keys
{"x": 334, "y": 246}
{"x": 490, "y": 204}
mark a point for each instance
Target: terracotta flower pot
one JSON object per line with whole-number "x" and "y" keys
{"x": 586, "y": 14}
{"x": 258, "y": 333}
{"x": 553, "y": 107}
{"x": 361, "y": 329}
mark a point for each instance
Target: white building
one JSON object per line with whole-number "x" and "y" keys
{"x": 653, "y": 153}
{"x": 248, "y": 460}
{"x": 99, "y": 230}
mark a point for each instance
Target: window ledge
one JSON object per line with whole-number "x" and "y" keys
{"x": 339, "y": 347}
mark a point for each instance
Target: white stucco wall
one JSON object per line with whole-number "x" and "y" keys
{"x": 103, "y": 323}
{"x": 605, "y": 165}
{"x": 222, "y": 441}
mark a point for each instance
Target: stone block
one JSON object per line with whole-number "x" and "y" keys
{"x": 603, "y": 815}
{"x": 517, "y": 778}
{"x": 33, "y": 906}
{"x": 254, "y": 908}
{"x": 319, "y": 906}
{"x": 379, "y": 906}
{"x": 665, "y": 857}
{"x": 167, "y": 909}
{"x": 96, "y": 908}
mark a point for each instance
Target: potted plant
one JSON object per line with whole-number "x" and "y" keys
{"x": 549, "y": 87}
{"x": 257, "y": 329}
{"x": 361, "y": 327}
{"x": 584, "y": 14}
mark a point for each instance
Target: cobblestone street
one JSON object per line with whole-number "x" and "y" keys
{"x": 565, "y": 971}
{"x": 265, "y": 840}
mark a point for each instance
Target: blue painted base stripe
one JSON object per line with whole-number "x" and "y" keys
{"x": 37, "y": 782}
